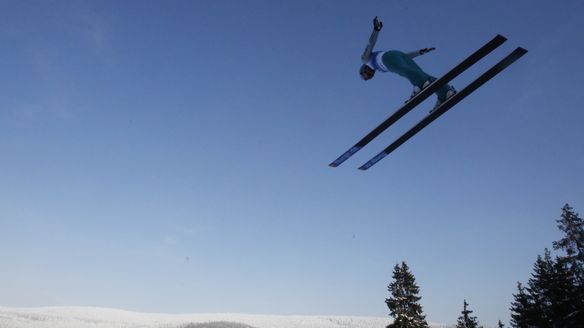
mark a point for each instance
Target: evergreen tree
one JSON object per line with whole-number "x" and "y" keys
{"x": 550, "y": 292}
{"x": 564, "y": 303}
{"x": 403, "y": 303}
{"x": 521, "y": 308}
{"x": 500, "y": 324}
{"x": 539, "y": 291}
{"x": 573, "y": 242}
{"x": 465, "y": 320}
{"x": 573, "y": 262}
{"x": 554, "y": 296}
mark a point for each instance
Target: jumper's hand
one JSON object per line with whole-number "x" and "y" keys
{"x": 425, "y": 50}
{"x": 377, "y": 24}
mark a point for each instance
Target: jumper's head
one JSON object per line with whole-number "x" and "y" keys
{"x": 366, "y": 72}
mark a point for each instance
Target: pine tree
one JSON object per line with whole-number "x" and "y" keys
{"x": 563, "y": 295}
{"x": 571, "y": 266}
{"x": 539, "y": 291}
{"x": 465, "y": 320}
{"x": 521, "y": 308}
{"x": 403, "y": 303}
{"x": 573, "y": 242}
{"x": 549, "y": 291}
{"x": 500, "y": 324}
{"x": 554, "y": 296}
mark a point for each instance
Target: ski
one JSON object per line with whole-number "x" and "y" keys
{"x": 421, "y": 96}
{"x": 444, "y": 107}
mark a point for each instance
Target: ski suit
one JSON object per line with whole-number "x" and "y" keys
{"x": 402, "y": 63}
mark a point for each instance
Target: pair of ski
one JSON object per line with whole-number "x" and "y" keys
{"x": 442, "y": 108}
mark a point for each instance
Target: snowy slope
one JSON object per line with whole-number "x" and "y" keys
{"x": 89, "y": 317}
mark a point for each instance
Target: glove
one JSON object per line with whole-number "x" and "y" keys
{"x": 377, "y": 24}
{"x": 425, "y": 50}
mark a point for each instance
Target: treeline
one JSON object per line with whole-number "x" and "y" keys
{"x": 553, "y": 297}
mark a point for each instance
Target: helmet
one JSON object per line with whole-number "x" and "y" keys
{"x": 366, "y": 72}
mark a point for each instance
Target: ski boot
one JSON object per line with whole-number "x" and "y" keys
{"x": 439, "y": 102}
{"x": 417, "y": 90}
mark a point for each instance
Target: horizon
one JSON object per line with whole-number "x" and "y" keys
{"x": 74, "y": 316}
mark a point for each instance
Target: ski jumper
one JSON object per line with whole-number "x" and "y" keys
{"x": 403, "y": 64}
{"x": 399, "y": 63}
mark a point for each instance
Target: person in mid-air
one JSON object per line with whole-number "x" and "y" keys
{"x": 400, "y": 63}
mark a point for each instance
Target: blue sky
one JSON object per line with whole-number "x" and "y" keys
{"x": 172, "y": 156}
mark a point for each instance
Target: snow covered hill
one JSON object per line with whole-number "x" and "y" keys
{"x": 90, "y": 317}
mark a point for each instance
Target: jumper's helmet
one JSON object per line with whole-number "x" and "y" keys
{"x": 366, "y": 72}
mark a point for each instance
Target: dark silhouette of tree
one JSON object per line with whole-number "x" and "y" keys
{"x": 521, "y": 308}
{"x": 554, "y": 295}
{"x": 404, "y": 304}
{"x": 465, "y": 320}
{"x": 571, "y": 265}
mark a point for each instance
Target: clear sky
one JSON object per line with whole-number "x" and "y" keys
{"x": 171, "y": 156}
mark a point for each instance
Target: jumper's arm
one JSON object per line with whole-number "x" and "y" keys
{"x": 377, "y": 25}
{"x": 417, "y": 53}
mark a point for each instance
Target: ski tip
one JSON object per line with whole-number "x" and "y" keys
{"x": 374, "y": 160}
{"x": 345, "y": 156}
{"x": 367, "y": 165}
{"x": 500, "y": 37}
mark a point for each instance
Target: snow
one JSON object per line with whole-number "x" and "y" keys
{"x": 87, "y": 317}
{"x": 92, "y": 317}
